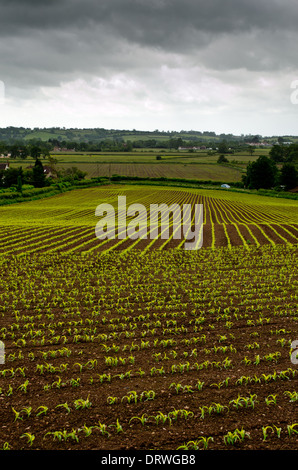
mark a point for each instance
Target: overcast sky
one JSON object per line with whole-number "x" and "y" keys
{"x": 218, "y": 65}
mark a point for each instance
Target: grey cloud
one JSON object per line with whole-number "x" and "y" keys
{"x": 44, "y": 43}
{"x": 159, "y": 22}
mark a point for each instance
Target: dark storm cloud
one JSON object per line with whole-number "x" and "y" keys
{"x": 40, "y": 41}
{"x": 155, "y": 20}
{"x": 162, "y": 53}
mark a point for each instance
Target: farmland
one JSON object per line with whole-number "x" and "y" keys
{"x": 139, "y": 344}
{"x": 200, "y": 165}
{"x": 66, "y": 222}
{"x": 203, "y": 171}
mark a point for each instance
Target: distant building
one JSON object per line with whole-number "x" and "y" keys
{"x": 4, "y": 166}
{"x": 259, "y": 144}
{"x": 63, "y": 149}
{"x": 46, "y": 169}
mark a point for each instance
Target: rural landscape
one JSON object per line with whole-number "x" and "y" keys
{"x": 138, "y": 344}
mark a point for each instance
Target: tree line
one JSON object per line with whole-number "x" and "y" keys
{"x": 276, "y": 171}
{"x": 36, "y": 175}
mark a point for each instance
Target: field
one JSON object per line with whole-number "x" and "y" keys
{"x": 200, "y": 165}
{"x": 140, "y": 344}
{"x": 170, "y": 170}
{"x": 67, "y": 221}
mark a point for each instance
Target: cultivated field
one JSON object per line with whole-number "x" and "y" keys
{"x": 202, "y": 171}
{"x": 67, "y": 222}
{"x": 200, "y": 165}
{"x": 139, "y": 344}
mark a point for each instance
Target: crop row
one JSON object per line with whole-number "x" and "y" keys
{"x": 67, "y": 222}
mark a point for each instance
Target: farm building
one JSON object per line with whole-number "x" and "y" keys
{"x": 4, "y": 166}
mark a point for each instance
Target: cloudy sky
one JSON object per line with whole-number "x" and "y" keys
{"x": 217, "y": 65}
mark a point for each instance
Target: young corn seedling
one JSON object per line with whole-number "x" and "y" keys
{"x": 143, "y": 419}
{"x": 148, "y": 395}
{"x": 240, "y": 401}
{"x": 162, "y": 418}
{"x": 195, "y": 445}
{"x": 23, "y": 387}
{"x": 233, "y": 437}
{"x": 75, "y": 382}
{"x": 91, "y": 364}
{"x": 43, "y": 410}
{"x": 112, "y": 400}
{"x": 293, "y": 395}
{"x": 131, "y": 396}
{"x": 199, "y": 384}
{"x": 80, "y": 403}
{"x": 265, "y": 430}
{"x": 186, "y": 414}
{"x": 104, "y": 377}
{"x": 291, "y": 429}
{"x": 87, "y": 430}
{"x": 156, "y": 371}
{"x": 102, "y": 428}
{"x": 65, "y": 406}
{"x": 218, "y": 408}
{"x": 118, "y": 427}
{"x": 16, "y": 414}
{"x": 30, "y": 437}
{"x": 81, "y": 366}
{"x": 27, "y": 411}
{"x": 270, "y": 400}
{"x": 243, "y": 380}
{"x": 221, "y": 384}
{"x": 177, "y": 387}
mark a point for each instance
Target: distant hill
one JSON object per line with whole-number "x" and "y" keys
{"x": 57, "y": 134}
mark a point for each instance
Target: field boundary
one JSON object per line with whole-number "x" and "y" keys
{"x": 41, "y": 193}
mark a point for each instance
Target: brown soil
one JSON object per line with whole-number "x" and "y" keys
{"x": 176, "y": 337}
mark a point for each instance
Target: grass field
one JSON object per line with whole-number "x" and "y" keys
{"x": 173, "y": 164}
{"x": 139, "y": 344}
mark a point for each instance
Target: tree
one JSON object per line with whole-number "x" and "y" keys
{"x": 277, "y": 153}
{"x": 223, "y": 147}
{"x": 19, "y": 183}
{"x": 14, "y": 151}
{"x": 72, "y": 174}
{"x": 35, "y": 152}
{"x": 289, "y": 176}
{"x": 11, "y": 176}
{"x": 52, "y": 162}
{"x": 222, "y": 159}
{"x": 284, "y": 153}
{"x": 23, "y": 152}
{"x": 251, "y": 150}
{"x": 261, "y": 174}
{"x": 292, "y": 153}
{"x": 39, "y": 178}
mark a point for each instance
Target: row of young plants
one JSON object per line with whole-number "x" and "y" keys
{"x": 67, "y": 222}
{"x": 91, "y": 327}
{"x": 229, "y": 438}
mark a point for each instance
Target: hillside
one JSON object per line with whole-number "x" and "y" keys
{"x": 12, "y": 134}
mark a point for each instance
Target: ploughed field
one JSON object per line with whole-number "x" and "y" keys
{"x": 66, "y": 223}
{"x": 137, "y": 344}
